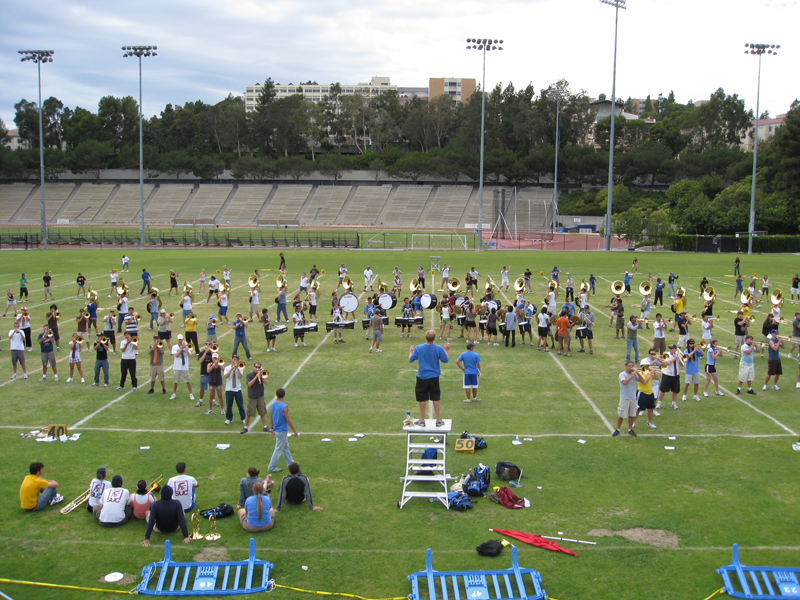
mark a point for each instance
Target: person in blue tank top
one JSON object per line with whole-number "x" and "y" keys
{"x": 429, "y": 356}
{"x": 279, "y": 414}
{"x": 774, "y": 346}
{"x": 711, "y": 367}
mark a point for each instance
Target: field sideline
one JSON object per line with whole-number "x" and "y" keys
{"x": 663, "y": 520}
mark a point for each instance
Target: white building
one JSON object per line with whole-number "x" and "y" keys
{"x": 315, "y": 92}
{"x": 766, "y": 129}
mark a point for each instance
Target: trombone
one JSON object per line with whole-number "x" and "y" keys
{"x": 160, "y": 344}
{"x": 84, "y": 497}
{"x": 214, "y": 347}
{"x": 213, "y": 322}
{"x": 103, "y": 340}
{"x": 264, "y": 374}
{"x": 241, "y": 365}
{"x": 155, "y": 485}
{"x": 79, "y": 339}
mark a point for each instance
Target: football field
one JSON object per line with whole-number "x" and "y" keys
{"x": 663, "y": 519}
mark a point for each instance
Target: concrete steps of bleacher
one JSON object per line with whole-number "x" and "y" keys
{"x": 188, "y": 201}
{"x": 347, "y": 202}
{"x": 105, "y": 204}
{"x": 474, "y": 197}
{"x": 36, "y": 191}
{"x": 387, "y": 205}
{"x": 64, "y": 206}
{"x": 149, "y": 200}
{"x": 307, "y": 203}
{"x": 227, "y": 202}
{"x": 264, "y": 206}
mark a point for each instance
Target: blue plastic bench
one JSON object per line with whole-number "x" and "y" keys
{"x": 203, "y": 579}
{"x": 759, "y": 583}
{"x": 510, "y": 584}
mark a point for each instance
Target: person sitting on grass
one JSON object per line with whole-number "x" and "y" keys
{"x": 30, "y": 498}
{"x": 165, "y": 516}
{"x": 246, "y": 485}
{"x": 257, "y": 514}
{"x": 114, "y": 508}
{"x": 295, "y": 489}
{"x": 141, "y": 501}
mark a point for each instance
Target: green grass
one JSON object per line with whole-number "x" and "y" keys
{"x": 721, "y": 485}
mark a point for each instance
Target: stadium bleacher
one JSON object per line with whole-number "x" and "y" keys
{"x": 85, "y": 203}
{"x": 55, "y": 196}
{"x": 11, "y": 198}
{"x": 246, "y": 204}
{"x": 406, "y": 205}
{"x": 447, "y": 206}
{"x": 167, "y": 202}
{"x": 124, "y": 206}
{"x": 324, "y": 206}
{"x": 205, "y": 204}
{"x": 286, "y": 203}
{"x": 365, "y": 206}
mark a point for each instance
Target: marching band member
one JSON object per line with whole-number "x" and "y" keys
{"x": 446, "y": 278}
{"x": 313, "y": 274}
{"x": 543, "y": 322}
{"x": 671, "y": 282}
{"x": 707, "y": 326}
{"x": 470, "y": 361}
{"x": 100, "y": 362}
{"x": 776, "y": 313}
{"x": 164, "y": 328}
{"x": 312, "y": 305}
{"x": 125, "y": 263}
{"x": 526, "y": 277}
{"x": 397, "y": 288}
{"x": 774, "y": 346}
{"x": 740, "y": 325}
{"x": 670, "y": 377}
{"x": 46, "y": 341}
{"x": 445, "y": 328}
{"x": 659, "y": 297}
{"x": 36, "y": 493}
{"x": 645, "y": 309}
{"x": 570, "y": 289}
{"x": 122, "y": 307}
{"x": 660, "y": 335}
{"x": 795, "y": 289}
{"x": 128, "y": 364}
{"x": 202, "y": 282}
{"x": 408, "y": 312}
{"x": 336, "y": 317}
{"x": 795, "y": 335}
{"x": 368, "y": 278}
{"x": 739, "y": 289}
{"x": 146, "y": 280}
{"x": 764, "y": 288}
{"x": 108, "y": 330}
{"x": 376, "y": 323}
{"x": 504, "y": 277}
{"x": 52, "y": 324}
{"x": 97, "y": 486}
{"x": 17, "y": 347}
{"x": 255, "y": 397}
{"x": 75, "y": 358}
{"x": 233, "y": 390}
{"x": 215, "y": 383}
{"x": 186, "y": 307}
{"x": 692, "y": 354}
{"x": 679, "y": 305}
{"x": 563, "y": 327}
{"x": 632, "y": 337}
{"x": 213, "y": 288}
{"x": 23, "y": 287}
{"x": 181, "y": 352}
{"x": 635, "y": 265}
{"x": 141, "y": 501}
{"x": 222, "y": 304}
{"x": 592, "y": 283}
{"x": 645, "y": 398}
{"x": 421, "y": 277}
{"x": 191, "y": 332}
{"x": 204, "y": 358}
{"x": 83, "y": 321}
{"x": 511, "y": 326}
{"x": 753, "y": 293}
{"x": 587, "y": 321}
{"x": 114, "y": 278}
{"x": 267, "y": 324}
{"x": 554, "y": 273}
{"x": 711, "y": 367}
{"x": 703, "y": 286}
{"x": 766, "y": 327}
{"x": 226, "y": 275}
{"x": 12, "y": 303}
{"x": 173, "y": 282}
{"x": 583, "y": 298}
{"x": 152, "y": 305}
{"x": 156, "y": 353}
{"x": 369, "y": 310}
{"x": 48, "y": 290}
{"x": 470, "y": 323}
{"x": 281, "y": 302}
{"x": 747, "y": 368}
{"x": 491, "y": 328}
{"x": 524, "y": 314}
{"x": 618, "y": 313}
{"x": 299, "y": 320}
{"x": 131, "y": 324}
{"x": 628, "y": 380}
{"x": 736, "y": 266}
{"x": 682, "y": 323}
{"x": 24, "y": 320}
{"x": 304, "y": 283}
{"x": 551, "y": 299}
{"x": 626, "y": 280}
{"x": 254, "y": 310}
{"x": 342, "y": 272}
{"x": 282, "y": 265}
{"x": 240, "y": 335}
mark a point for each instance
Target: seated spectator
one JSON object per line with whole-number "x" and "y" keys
{"x": 165, "y": 516}
{"x": 295, "y": 489}
{"x": 257, "y": 514}
{"x": 97, "y": 486}
{"x": 30, "y": 497}
{"x": 142, "y": 500}
{"x": 114, "y": 509}
{"x": 246, "y": 485}
{"x": 183, "y": 487}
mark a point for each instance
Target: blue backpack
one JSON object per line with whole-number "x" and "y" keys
{"x": 430, "y": 453}
{"x": 480, "y": 443}
{"x": 478, "y": 481}
{"x": 458, "y": 501}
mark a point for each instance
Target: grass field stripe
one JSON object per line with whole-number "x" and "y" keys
{"x": 759, "y": 411}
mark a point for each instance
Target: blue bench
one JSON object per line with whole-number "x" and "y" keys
{"x": 759, "y": 583}
{"x": 203, "y": 579}
{"x": 510, "y": 584}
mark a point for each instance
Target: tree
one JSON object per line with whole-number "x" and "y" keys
{"x": 295, "y": 166}
{"x": 176, "y": 163}
{"x": 499, "y": 164}
{"x": 629, "y": 226}
{"x": 257, "y": 168}
{"x": 441, "y": 111}
{"x": 377, "y": 168}
{"x": 603, "y": 131}
{"x": 208, "y": 167}
{"x": 81, "y": 125}
{"x": 721, "y": 122}
{"x": 119, "y": 120}
{"x": 652, "y": 160}
{"x": 3, "y": 132}
{"x": 333, "y": 166}
{"x": 91, "y": 156}
{"x": 782, "y": 162}
{"x": 412, "y": 165}
{"x": 659, "y": 226}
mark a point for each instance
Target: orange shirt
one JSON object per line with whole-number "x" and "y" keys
{"x": 563, "y": 324}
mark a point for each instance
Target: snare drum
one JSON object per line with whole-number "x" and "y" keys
{"x": 492, "y": 304}
{"x": 387, "y": 301}
{"x": 348, "y": 303}
{"x": 428, "y": 301}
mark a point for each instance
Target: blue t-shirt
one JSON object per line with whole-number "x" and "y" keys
{"x": 282, "y": 298}
{"x": 554, "y": 274}
{"x": 747, "y": 359}
{"x": 212, "y": 330}
{"x": 659, "y": 285}
{"x": 146, "y": 276}
{"x": 470, "y": 360}
{"x": 92, "y": 308}
{"x": 369, "y": 310}
{"x": 416, "y": 302}
{"x": 627, "y": 280}
{"x": 570, "y": 307}
{"x": 278, "y": 418}
{"x": 251, "y": 506}
{"x": 773, "y": 354}
{"x": 693, "y": 366}
{"x": 428, "y": 356}
{"x": 592, "y": 280}
{"x": 710, "y": 360}
{"x": 153, "y": 305}
{"x": 46, "y": 346}
{"x": 239, "y": 331}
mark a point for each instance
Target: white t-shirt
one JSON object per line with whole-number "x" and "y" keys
{"x": 542, "y": 319}
{"x": 123, "y": 305}
{"x": 181, "y": 360}
{"x": 312, "y": 298}
{"x": 124, "y": 260}
{"x": 183, "y": 489}
{"x": 213, "y": 284}
{"x": 96, "y": 489}
{"x": 706, "y": 330}
{"x": 187, "y": 303}
{"x": 128, "y": 351}
{"x": 551, "y": 300}
{"x": 659, "y": 329}
{"x": 223, "y": 300}
{"x": 254, "y": 297}
{"x": 584, "y": 299}
{"x": 114, "y": 501}
{"x": 504, "y": 274}
{"x": 234, "y": 382}
{"x": 17, "y": 340}
{"x": 304, "y": 282}
{"x": 446, "y": 272}
{"x": 226, "y": 275}
{"x": 113, "y": 278}
{"x": 298, "y": 319}
{"x": 367, "y": 276}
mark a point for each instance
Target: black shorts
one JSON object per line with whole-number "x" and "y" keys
{"x": 427, "y": 389}
{"x": 584, "y": 334}
{"x": 543, "y": 331}
{"x": 711, "y": 368}
{"x": 774, "y": 367}
{"x": 670, "y": 383}
{"x": 165, "y": 335}
{"x": 491, "y": 330}
{"x": 312, "y": 310}
{"x": 645, "y": 401}
{"x": 112, "y": 338}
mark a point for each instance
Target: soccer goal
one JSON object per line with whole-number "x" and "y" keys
{"x": 423, "y": 241}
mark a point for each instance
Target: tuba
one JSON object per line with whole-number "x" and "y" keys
{"x": 414, "y": 286}
{"x": 519, "y": 284}
{"x": 585, "y": 286}
{"x": 709, "y": 295}
{"x": 617, "y": 287}
{"x": 188, "y": 290}
{"x": 155, "y": 294}
{"x": 254, "y": 282}
{"x": 454, "y": 284}
{"x": 777, "y": 298}
{"x": 121, "y": 289}
{"x": 280, "y": 282}
{"x": 644, "y": 288}
{"x": 383, "y": 287}
{"x": 347, "y": 283}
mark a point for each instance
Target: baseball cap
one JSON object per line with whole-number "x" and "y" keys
{"x": 683, "y": 312}
{"x": 210, "y": 316}
{"x": 215, "y": 355}
{"x": 672, "y": 346}
{"x": 163, "y": 312}
{"x": 180, "y": 337}
{"x": 101, "y": 471}
{"x": 644, "y": 362}
{"x": 774, "y": 331}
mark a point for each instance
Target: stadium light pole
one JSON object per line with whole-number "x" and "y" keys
{"x": 557, "y": 95}
{"x": 39, "y": 57}
{"x": 139, "y": 52}
{"x": 617, "y": 4}
{"x": 759, "y": 50}
{"x": 484, "y": 46}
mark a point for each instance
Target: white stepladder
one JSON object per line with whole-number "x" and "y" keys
{"x": 416, "y": 445}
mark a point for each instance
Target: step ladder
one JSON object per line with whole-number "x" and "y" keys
{"x": 759, "y": 583}
{"x": 418, "y": 440}
{"x": 512, "y": 584}
{"x": 167, "y": 578}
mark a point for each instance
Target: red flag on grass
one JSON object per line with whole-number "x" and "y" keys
{"x": 534, "y": 540}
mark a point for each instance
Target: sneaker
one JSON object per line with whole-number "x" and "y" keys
{"x": 675, "y": 405}
{"x": 581, "y": 350}
{"x": 56, "y": 499}
{"x": 751, "y": 392}
{"x": 440, "y": 337}
{"x": 335, "y": 341}
{"x": 303, "y": 345}
{"x": 69, "y": 380}
{"x": 476, "y": 400}
{"x": 213, "y": 404}
{"x": 547, "y": 349}
{"x": 656, "y": 413}
{"x": 797, "y": 385}
{"x": 134, "y": 388}
{"x": 683, "y": 398}
{"x": 173, "y": 396}
{"x": 705, "y": 395}
{"x": 738, "y": 390}
{"x": 227, "y": 422}
{"x": 340, "y": 341}
{"x": 496, "y": 344}
{"x": 297, "y": 345}
{"x": 719, "y": 394}
{"x": 467, "y": 401}
{"x": 439, "y": 423}
{"x": 244, "y": 430}
{"x": 616, "y": 433}
{"x": 764, "y": 389}
{"x": 266, "y": 429}
{"x": 378, "y": 351}
{"x": 56, "y": 377}
{"x": 95, "y": 384}
{"x": 632, "y": 433}
{"x": 640, "y": 413}
{"x": 222, "y": 412}
{"x": 419, "y": 423}
{"x": 104, "y": 385}
{"x": 696, "y": 397}
{"x": 83, "y": 380}
{"x": 568, "y": 354}
{"x": 776, "y": 388}
{"x": 199, "y": 404}
{"x": 369, "y": 351}
{"x": 43, "y": 377}
{"x": 559, "y": 352}
{"x": 163, "y": 390}
{"x": 651, "y": 425}
{"x": 591, "y": 351}
{"x": 209, "y": 411}
{"x": 191, "y": 397}
{"x": 659, "y": 404}
{"x": 151, "y": 391}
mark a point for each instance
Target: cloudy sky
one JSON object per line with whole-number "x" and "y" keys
{"x": 209, "y": 48}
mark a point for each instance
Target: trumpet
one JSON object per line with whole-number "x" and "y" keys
{"x": 245, "y": 320}
{"x": 541, "y": 273}
{"x": 138, "y": 317}
{"x": 241, "y": 365}
{"x": 84, "y": 497}
{"x": 264, "y": 373}
{"x": 112, "y": 313}
{"x": 171, "y": 315}
{"x": 57, "y": 315}
{"x": 214, "y": 347}
{"x": 103, "y": 340}
{"x": 160, "y": 344}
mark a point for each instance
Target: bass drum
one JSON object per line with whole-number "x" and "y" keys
{"x": 460, "y": 300}
{"x": 348, "y": 303}
{"x": 492, "y": 304}
{"x": 387, "y": 301}
{"x": 428, "y": 301}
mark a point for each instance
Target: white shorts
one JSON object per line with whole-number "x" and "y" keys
{"x": 794, "y": 291}
{"x": 691, "y": 378}
{"x": 747, "y": 373}
{"x": 627, "y": 408}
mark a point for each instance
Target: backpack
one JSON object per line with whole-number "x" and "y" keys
{"x": 430, "y": 453}
{"x": 478, "y": 481}
{"x": 458, "y": 501}
{"x": 480, "y": 443}
{"x": 490, "y": 548}
{"x": 219, "y": 511}
{"x": 507, "y": 470}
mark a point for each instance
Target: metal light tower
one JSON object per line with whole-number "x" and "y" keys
{"x": 617, "y": 4}
{"x": 759, "y": 50}
{"x": 557, "y": 96}
{"x": 484, "y": 45}
{"x": 39, "y": 57}
{"x": 139, "y": 52}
